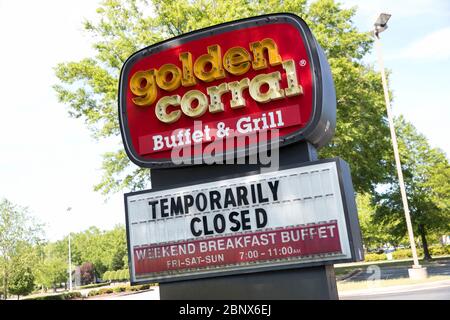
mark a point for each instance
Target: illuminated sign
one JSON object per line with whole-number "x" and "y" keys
{"x": 298, "y": 216}
{"x": 216, "y": 85}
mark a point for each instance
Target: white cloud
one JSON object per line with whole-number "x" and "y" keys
{"x": 433, "y": 46}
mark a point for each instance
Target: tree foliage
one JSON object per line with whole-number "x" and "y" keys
{"x": 21, "y": 282}
{"x": 426, "y": 172}
{"x": 19, "y": 232}
{"x": 87, "y": 273}
{"x": 374, "y": 234}
{"x": 106, "y": 250}
{"x": 89, "y": 86}
{"x": 52, "y": 268}
{"x": 92, "y": 249}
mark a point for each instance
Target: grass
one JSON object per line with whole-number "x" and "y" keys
{"x": 361, "y": 285}
{"x": 343, "y": 269}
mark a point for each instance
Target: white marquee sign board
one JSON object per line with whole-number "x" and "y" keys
{"x": 295, "y": 216}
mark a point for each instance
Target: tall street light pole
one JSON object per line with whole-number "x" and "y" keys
{"x": 70, "y": 259}
{"x": 381, "y": 25}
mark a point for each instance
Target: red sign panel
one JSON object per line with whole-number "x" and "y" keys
{"x": 268, "y": 246}
{"x": 217, "y": 86}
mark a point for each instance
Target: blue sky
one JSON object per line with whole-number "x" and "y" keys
{"x": 416, "y": 50}
{"x": 50, "y": 162}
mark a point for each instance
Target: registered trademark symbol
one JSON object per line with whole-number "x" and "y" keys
{"x": 302, "y": 63}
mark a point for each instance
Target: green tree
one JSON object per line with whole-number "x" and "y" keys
{"x": 105, "y": 249}
{"x": 118, "y": 242}
{"x": 438, "y": 181}
{"x": 89, "y": 86}
{"x": 19, "y": 232}
{"x": 21, "y": 282}
{"x": 89, "y": 247}
{"x": 426, "y": 173}
{"x": 117, "y": 262}
{"x": 374, "y": 234}
{"x": 52, "y": 268}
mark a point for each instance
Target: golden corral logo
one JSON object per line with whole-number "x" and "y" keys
{"x": 211, "y": 66}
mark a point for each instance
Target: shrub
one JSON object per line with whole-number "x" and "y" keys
{"x": 93, "y": 285}
{"x": 119, "y": 275}
{"x": 120, "y": 289}
{"x": 62, "y": 296}
{"x": 405, "y": 254}
{"x": 115, "y": 275}
{"x": 124, "y": 274}
{"x": 105, "y": 291}
{"x": 440, "y": 250}
{"x": 93, "y": 293}
{"x": 139, "y": 287}
{"x": 135, "y": 288}
{"x": 107, "y": 276}
{"x": 369, "y": 257}
{"x": 145, "y": 287}
{"x": 402, "y": 254}
{"x": 72, "y": 295}
{"x": 437, "y": 251}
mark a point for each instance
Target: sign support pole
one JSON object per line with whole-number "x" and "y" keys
{"x": 301, "y": 283}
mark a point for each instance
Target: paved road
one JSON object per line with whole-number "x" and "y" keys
{"x": 441, "y": 267}
{"x": 439, "y": 290}
{"x": 431, "y": 291}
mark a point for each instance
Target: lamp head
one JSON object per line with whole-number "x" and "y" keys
{"x": 381, "y": 23}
